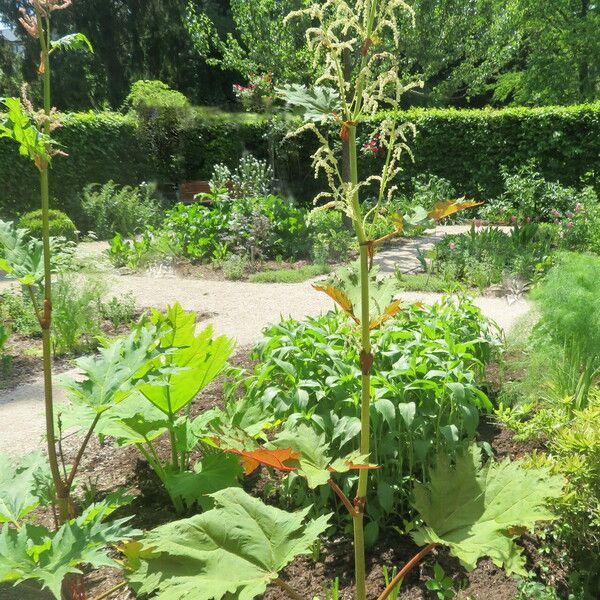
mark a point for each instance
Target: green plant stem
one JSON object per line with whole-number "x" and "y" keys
{"x": 62, "y": 493}
{"x": 291, "y": 592}
{"x": 416, "y": 559}
{"x": 77, "y": 461}
{"x": 366, "y": 357}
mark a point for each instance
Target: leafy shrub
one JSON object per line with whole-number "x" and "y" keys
{"x": 569, "y": 303}
{"x": 331, "y": 239}
{"x": 571, "y": 446}
{"x": 17, "y": 312}
{"x": 533, "y": 197}
{"x": 4, "y": 359}
{"x": 76, "y": 319}
{"x": 484, "y": 256}
{"x": 581, "y": 224}
{"x": 60, "y": 225}
{"x": 264, "y": 227}
{"x": 119, "y": 311}
{"x": 235, "y": 266}
{"x": 293, "y": 275}
{"x": 252, "y": 178}
{"x": 111, "y": 209}
{"x": 140, "y": 252}
{"x": 151, "y": 95}
{"x": 425, "y": 379}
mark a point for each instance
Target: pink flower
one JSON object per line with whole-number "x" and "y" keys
{"x": 569, "y": 225}
{"x": 513, "y": 219}
{"x": 477, "y": 222}
{"x": 452, "y": 246}
{"x": 569, "y": 214}
{"x": 578, "y": 207}
{"x": 557, "y": 221}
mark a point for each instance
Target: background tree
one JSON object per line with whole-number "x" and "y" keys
{"x": 255, "y": 41}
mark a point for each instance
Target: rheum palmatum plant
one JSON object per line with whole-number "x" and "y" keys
{"x": 241, "y": 546}
{"x": 355, "y": 45}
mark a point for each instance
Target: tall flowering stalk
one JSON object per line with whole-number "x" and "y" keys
{"x": 355, "y": 46}
{"x": 36, "y": 20}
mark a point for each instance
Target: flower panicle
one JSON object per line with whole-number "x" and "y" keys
{"x": 28, "y": 18}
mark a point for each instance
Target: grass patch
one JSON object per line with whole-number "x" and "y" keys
{"x": 422, "y": 282}
{"x": 290, "y": 275}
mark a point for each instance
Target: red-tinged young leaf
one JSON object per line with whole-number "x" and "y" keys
{"x": 392, "y": 310}
{"x": 276, "y": 458}
{"x": 339, "y": 297}
{"x": 450, "y": 207}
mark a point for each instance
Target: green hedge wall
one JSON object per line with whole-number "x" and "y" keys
{"x": 468, "y": 147}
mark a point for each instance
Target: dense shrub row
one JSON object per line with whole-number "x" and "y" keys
{"x": 467, "y": 147}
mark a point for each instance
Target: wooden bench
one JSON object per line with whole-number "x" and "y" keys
{"x": 188, "y": 190}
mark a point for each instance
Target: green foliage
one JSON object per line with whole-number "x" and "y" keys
{"x": 293, "y": 275}
{"x": 332, "y": 240}
{"x": 119, "y": 310}
{"x": 440, "y": 583}
{"x": 426, "y": 395}
{"x": 146, "y": 96}
{"x": 568, "y": 303}
{"x": 30, "y": 552}
{"x": 465, "y": 147}
{"x": 77, "y": 304}
{"x": 34, "y": 553}
{"x": 141, "y": 251}
{"x": 60, "y": 224}
{"x": 16, "y": 310}
{"x": 486, "y": 255}
{"x": 22, "y": 487}
{"x": 19, "y": 127}
{"x": 264, "y": 227}
{"x": 251, "y": 179}
{"x": 257, "y": 42}
{"x": 110, "y": 209}
{"x": 480, "y": 510}
{"x": 236, "y": 549}
{"x": 235, "y": 266}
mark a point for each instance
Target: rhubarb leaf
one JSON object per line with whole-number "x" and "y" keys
{"x": 479, "y": 510}
{"x": 234, "y": 550}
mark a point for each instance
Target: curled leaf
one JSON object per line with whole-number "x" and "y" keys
{"x": 390, "y": 311}
{"x": 449, "y": 207}
{"x": 339, "y": 297}
{"x": 275, "y": 458}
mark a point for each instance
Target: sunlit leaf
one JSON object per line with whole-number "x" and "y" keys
{"x": 450, "y": 207}
{"x": 339, "y": 297}
{"x": 317, "y": 104}
{"x": 479, "y": 510}
{"x": 73, "y": 41}
{"x": 232, "y": 551}
{"x": 390, "y": 311}
{"x": 275, "y": 458}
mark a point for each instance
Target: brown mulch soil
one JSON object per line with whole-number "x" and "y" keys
{"x": 105, "y": 468}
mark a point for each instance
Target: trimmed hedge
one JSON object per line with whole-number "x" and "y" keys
{"x": 468, "y": 147}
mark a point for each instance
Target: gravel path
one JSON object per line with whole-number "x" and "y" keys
{"x": 238, "y": 309}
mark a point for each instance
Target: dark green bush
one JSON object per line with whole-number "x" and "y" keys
{"x": 465, "y": 147}
{"x": 60, "y": 224}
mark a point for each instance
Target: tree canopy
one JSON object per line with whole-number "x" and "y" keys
{"x": 468, "y": 52}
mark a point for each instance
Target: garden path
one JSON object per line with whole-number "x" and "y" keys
{"x": 237, "y": 309}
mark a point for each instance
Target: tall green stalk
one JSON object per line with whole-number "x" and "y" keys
{"x": 45, "y": 318}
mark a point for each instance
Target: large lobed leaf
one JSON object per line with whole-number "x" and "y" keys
{"x": 22, "y": 486}
{"x": 317, "y": 104}
{"x": 234, "y": 550}
{"x": 479, "y": 511}
{"x": 192, "y": 363}
{"x": 35, "y": 553}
